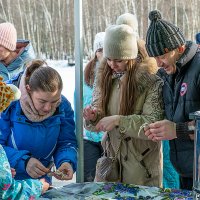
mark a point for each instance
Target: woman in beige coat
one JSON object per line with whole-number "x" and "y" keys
{"x": 127, "y": 96}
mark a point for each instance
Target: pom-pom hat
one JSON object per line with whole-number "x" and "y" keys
{"x": 162, "y": 36}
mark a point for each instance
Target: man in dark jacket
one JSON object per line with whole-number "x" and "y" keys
{"x": 179, "y": 63}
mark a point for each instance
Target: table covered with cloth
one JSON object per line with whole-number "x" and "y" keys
{"x": 120, "y": 191}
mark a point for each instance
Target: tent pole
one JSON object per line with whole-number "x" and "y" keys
{"x": 79, "y": 87}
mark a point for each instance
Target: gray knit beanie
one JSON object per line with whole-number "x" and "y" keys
{"x": 162, "y": 36}
{"x": 120, "y": 42}
{"x": 129, "y": 19}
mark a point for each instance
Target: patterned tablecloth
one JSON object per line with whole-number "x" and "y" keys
{"x": 107, "y": 191}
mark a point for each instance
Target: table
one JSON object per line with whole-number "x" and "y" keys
{"x": 108, "y": 191}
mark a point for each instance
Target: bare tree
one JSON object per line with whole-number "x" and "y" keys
{"x": 50, "y": 24}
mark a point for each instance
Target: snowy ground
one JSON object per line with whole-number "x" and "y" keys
{"x": 68, "y": 77}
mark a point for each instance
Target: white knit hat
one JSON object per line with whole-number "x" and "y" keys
{"x": 120, "y": 42}
{"x": 129, "y": 19}
{"x": 98, "y": 41}
{"x": 8, "y": 36}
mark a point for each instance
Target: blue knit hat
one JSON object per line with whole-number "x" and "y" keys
{"x": 198, "y": 38}
{"x": 162, "y": 36}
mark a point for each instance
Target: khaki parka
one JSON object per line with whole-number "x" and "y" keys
{"x": 140, "y": 159}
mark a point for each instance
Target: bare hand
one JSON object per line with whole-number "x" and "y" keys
{"x": 191, "y": 136}
{"x": 89, "y": 113}
{"x": 64, "y": 172}
{"x": 192, "y": 123}
{"x": 161, "y": 130}
{"x": 108, "y": 123}
{"x": 45, "y": 185}
{"x": 13, "y": 172}
{"x": 35, "y": 168}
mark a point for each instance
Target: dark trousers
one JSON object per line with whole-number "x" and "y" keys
{"x": 92, "y": 152}
{"x": 186, "y": 183}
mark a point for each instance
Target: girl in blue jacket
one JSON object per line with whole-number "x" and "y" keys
{"x": 39, "y": 128}
{"x": 10, "y": 188}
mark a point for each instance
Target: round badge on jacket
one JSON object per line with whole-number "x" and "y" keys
{"x": 183, "y": 89}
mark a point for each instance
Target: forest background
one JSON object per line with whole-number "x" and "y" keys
{"x": 49, "y": 24}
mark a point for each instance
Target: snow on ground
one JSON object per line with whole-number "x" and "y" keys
{"x": 68, "y": 77}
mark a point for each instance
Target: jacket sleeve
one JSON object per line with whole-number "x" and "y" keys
{"x": 66, "y": 148}
{"x": 16, "y": 157}
{"x": 15, "y": 189}
{"x": 90, "y": 125}
{"x": 152, "y": 111}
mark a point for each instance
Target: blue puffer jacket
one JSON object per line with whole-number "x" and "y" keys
{"x": 25, "y": 53}
{"x": 53, "y": 137}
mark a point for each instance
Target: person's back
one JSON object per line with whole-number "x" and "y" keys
{"x": 14, "y": 54}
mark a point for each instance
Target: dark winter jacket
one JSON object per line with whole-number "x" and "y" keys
{"x": 181, "y": 97}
